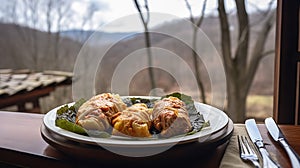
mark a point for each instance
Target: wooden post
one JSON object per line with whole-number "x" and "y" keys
{"x": 286, "y": 62}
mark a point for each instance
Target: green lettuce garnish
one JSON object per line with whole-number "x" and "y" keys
{"x": 66, "y": 116}
{"x": 67, "y": 125}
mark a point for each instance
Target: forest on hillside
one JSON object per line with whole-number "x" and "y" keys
{"x": 27, "y": 47}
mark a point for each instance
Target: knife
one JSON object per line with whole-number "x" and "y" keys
{"x": 256, "y": 138}
{"x": 277, "y": 135}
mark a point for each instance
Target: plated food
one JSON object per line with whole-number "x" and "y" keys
{"x": 133, "y": 121}
{"x": 109, "y": 114}
{"x": 170, "y": 117}
{"x": 97, "y": 113}
{"x": 61, "y": 122}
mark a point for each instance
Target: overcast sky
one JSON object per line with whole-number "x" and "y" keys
{"x": 120, "y": 12}
{"x": 122, "y": 15}
{"x": 111, "y": 11}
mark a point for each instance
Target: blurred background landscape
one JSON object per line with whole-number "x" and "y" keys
{"x": 41, "y": 35}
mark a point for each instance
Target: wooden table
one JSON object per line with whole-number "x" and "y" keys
{"x": 21, "y": 144}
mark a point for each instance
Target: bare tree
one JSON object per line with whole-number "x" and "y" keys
{"x": 62, "y": 8}
{"x": 27, "y": 13}
{"x": 196, "y": 25}
{"x": 145, "y": 18}
{"x": 8, "y": 13}
{"x": 87, "y": 19}
{"x": 32, "y": 6}
{"x": 240, "y": 66}
{"x": 49, "y": 15}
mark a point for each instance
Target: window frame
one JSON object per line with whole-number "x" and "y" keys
{"x": 287, "y": 63}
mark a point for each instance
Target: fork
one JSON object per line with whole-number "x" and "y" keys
{"x": 246, "y": 152}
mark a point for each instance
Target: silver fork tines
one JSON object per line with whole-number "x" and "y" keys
{"x": 246, "y": 152}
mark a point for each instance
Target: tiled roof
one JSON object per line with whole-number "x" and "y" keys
{"x": 16, "y": 81}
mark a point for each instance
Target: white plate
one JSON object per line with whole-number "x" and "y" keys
{"x": 217, "y": 118}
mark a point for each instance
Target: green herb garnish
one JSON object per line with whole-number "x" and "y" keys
{"x": 67, "y": 125}
{"x": 65, "y": 118}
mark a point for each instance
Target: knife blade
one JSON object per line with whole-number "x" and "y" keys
{"x": 256, "y": 138}
{"x": 277, "y": 135}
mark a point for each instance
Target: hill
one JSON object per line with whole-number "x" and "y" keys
{"x": 23, "y": 47}
{"x": 106, "y": 37}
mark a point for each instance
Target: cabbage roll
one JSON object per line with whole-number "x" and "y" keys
{"x": 96, "y": 113}
{"x": 170, "y": 117}
{"x": 133, "y": 121}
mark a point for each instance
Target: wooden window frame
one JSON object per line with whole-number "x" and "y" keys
{"x": 287, "y": 63}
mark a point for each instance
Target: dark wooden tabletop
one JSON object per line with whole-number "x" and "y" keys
{"x": 21, "y": 144}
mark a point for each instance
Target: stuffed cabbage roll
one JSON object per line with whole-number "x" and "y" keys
{"x": 170, "y": 117}
{"x": 96, "y": 113}
{"x": 133, "y": 121}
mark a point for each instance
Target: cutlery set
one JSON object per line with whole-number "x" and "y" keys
{"x": 246, "y": 153}
{"x": 277, "y": 135}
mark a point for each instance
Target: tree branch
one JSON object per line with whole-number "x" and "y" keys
{"x": 147, "y": 41}
{"x": 241, "y": 53}
{"x": 188, "y": 6}
{"x": 266, "y": 53}
{"x": 258, "y": 54}
{"x": 200, "y": 20}
{"x": 147, "y": 12}
{"x": 138, "y": 7}
{"x": 192, "y": 17}
{"x": 264, "y": 13}
{"x": 48, "y": 16}
{"x": 195, "y": 27}
{"x": 225, "y": 36}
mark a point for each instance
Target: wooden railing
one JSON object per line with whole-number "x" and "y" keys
{"x": 26, "y": 87}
